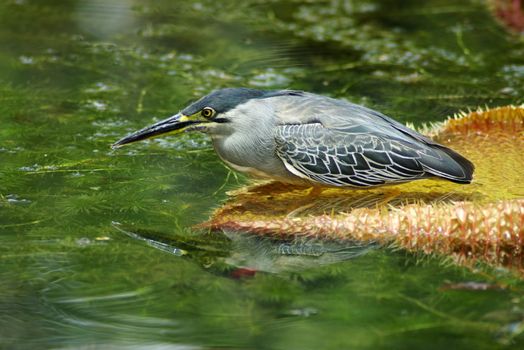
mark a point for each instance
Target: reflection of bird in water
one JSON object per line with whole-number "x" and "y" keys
{"x": 269, "y": 255}
{"x": 256, "y": 254}
{"x": 303, "y": 138}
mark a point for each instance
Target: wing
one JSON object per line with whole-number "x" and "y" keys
{"x": 339, "y": 123}
{"x": 340, "y": 158}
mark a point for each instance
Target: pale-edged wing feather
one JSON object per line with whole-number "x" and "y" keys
{"x": 345, "y": 158}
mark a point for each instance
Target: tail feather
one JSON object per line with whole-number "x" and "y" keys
{"x": 452, "y": 166}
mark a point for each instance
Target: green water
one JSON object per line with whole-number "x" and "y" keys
{"x": 77, "y": 75}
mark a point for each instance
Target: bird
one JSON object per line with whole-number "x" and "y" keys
{"x": 303, "y": 138}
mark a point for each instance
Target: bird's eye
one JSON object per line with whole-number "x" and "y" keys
{"x": 208, "y": 112}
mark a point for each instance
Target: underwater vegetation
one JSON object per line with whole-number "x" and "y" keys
{"x": 76, "y": 75}
{"x": 481, "y": 222}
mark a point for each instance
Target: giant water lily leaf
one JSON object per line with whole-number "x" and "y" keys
{"x": 483, "y": 221}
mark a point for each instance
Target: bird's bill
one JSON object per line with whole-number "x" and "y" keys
{"x": 173, "y": 125}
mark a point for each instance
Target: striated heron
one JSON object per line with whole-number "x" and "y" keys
{"x": 303, "y": 138}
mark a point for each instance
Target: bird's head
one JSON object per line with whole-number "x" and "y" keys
{"x": 214, "y": 113}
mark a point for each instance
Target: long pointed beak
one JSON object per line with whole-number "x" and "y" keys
{"x": 174, "y": 125}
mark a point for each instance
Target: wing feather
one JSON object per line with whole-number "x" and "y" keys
{"x": 369, "y": 126}
{"x": 337, "y": 158}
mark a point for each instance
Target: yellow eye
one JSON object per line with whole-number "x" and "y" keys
{"x": 208, "y": 112}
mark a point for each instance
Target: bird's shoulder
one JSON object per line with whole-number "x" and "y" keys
{"x": 343, "y": 116}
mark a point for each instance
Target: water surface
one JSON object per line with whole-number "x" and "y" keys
{"x": 77, "y": 75}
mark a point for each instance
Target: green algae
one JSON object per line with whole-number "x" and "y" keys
{"x": 69, "y": 88}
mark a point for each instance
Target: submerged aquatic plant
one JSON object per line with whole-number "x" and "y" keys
{"x": 481, "y": 222}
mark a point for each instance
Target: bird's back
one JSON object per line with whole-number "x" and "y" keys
{"x": 385, "y": 146}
